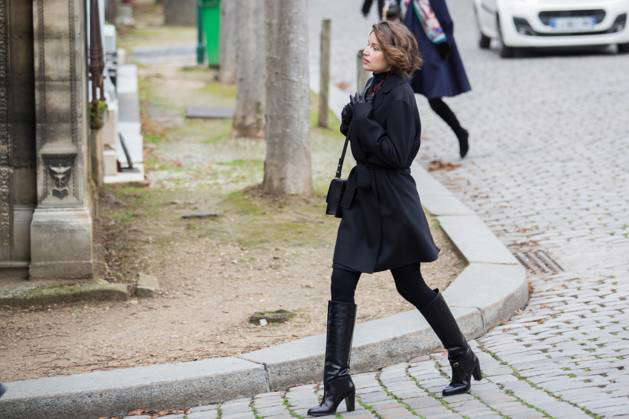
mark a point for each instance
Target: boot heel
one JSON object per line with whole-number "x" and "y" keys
{"x": 478, "y": 375}
{"x": 350, "y": 402}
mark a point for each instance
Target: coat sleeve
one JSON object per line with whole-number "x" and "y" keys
{"x": 391, "y": 147}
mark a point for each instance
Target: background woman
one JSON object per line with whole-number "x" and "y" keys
{"x": 383, "y": 225}
{"x": 442, "y": 73}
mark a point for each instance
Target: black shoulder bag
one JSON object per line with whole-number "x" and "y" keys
{"x": 337, "y": 187}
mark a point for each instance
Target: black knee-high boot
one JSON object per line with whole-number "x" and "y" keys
{"x": 444, "y": 111}
{"x": 337, "y": 383}
{"x": 462, "y": 359}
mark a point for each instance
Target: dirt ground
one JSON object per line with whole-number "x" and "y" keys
{"x": 253, "y": 254}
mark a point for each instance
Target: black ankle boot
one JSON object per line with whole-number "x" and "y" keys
{"x": 2, "y": 390}
{"x": 462, "y": 359}
{"x": 464, "y": 366}
{"x": 464, "y": 146}
{"x": 337, "y": 383}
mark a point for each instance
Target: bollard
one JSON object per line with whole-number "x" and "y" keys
{"x": 324, "y": 68}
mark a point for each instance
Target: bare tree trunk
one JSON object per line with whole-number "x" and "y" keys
{"x": 250, "y": 71}
{"x": 227, "y": 71}
{"x": 287, "y": 168}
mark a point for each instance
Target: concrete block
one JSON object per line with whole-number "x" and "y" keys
{"x": 475, "y": 240}
{"x": 147, "y": 286}
{"x": 376, "y": 343}
{"x": 426, "y": 184}
{"x": 110, "y": 162}
{"x": 61, "y": 244}
{"x": 291, "y": 363}
{"x": 498, "y": 291}
{"x": 134, "y": 144}
{"x": 115, "y": 392}
{"x": 439, "y": 204}
{"x": 127, "y": 79}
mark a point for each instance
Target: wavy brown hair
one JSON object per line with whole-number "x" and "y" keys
{"x": 399, "y": 47}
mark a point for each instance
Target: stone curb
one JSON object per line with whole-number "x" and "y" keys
{"x": 489, "y": 290}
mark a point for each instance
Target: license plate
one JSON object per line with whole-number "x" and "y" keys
{"x": 573, "y": 23}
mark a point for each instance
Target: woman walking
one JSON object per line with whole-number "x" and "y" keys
{"x": 383, "y": 226}
{"x": 442, "y": 73}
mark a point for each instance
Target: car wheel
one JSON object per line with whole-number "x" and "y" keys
{"x": 505, "y": 51}
{"x": 623, "y": 48}
{"x": 484, "y": 41}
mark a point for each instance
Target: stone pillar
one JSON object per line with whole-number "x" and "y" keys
{"x": 61, "y": 230}
{"x": 17, "y": 136}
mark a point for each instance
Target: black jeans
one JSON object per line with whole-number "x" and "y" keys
{"x": 408, "y": 281}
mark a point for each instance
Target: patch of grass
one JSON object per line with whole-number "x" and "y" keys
{"x": 225, "y": 91}
{"x": 254, "y": 221}
{"x": 153, "y": 138}
{"x": 240, "y": 203}
{"x": 136, "y": 203}
{"x": 146, "y": 35}
{"x": 123, "y": 216}
{"x": 194, "y": 69}
{"x": 222, "y": 130}
{"x": 241, "y": 163}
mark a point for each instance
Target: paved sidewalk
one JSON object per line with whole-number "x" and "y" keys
{"x": 548, "y": 163}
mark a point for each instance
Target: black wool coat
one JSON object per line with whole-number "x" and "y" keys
{"x": 438, "y": 76}
{"x": 383, "y": 224}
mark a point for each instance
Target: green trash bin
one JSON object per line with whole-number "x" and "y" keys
{"x": 210, "y": 13}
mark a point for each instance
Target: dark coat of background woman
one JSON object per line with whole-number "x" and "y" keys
{"x": 439, "y": 76}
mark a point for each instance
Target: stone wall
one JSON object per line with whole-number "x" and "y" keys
{"x": 17, "y": 135}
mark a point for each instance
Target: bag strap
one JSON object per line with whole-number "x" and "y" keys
{"x": 342, "y": 159}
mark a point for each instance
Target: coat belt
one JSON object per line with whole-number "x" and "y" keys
{"x": 361, "y": 176}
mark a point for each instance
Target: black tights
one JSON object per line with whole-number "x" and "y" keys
{"x": 408, "y": 281}
{"x": 443, "y": 110}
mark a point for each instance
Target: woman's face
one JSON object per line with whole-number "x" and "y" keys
{"x": 373, "y": 57}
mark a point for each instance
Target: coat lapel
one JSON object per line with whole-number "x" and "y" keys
{"x": 390, "y": 83}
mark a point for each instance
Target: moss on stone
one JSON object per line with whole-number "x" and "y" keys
{"x": 59, "y": 292}
{"x": 276, "y": 316}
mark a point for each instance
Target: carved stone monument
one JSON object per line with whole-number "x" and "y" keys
{"x": 61, "y": 230}
{"x": 17, "y": 135}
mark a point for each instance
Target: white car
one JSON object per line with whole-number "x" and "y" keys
{"x": 552, "y": 23}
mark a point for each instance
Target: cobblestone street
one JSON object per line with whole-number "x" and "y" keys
{"x": 548, "y": 164}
